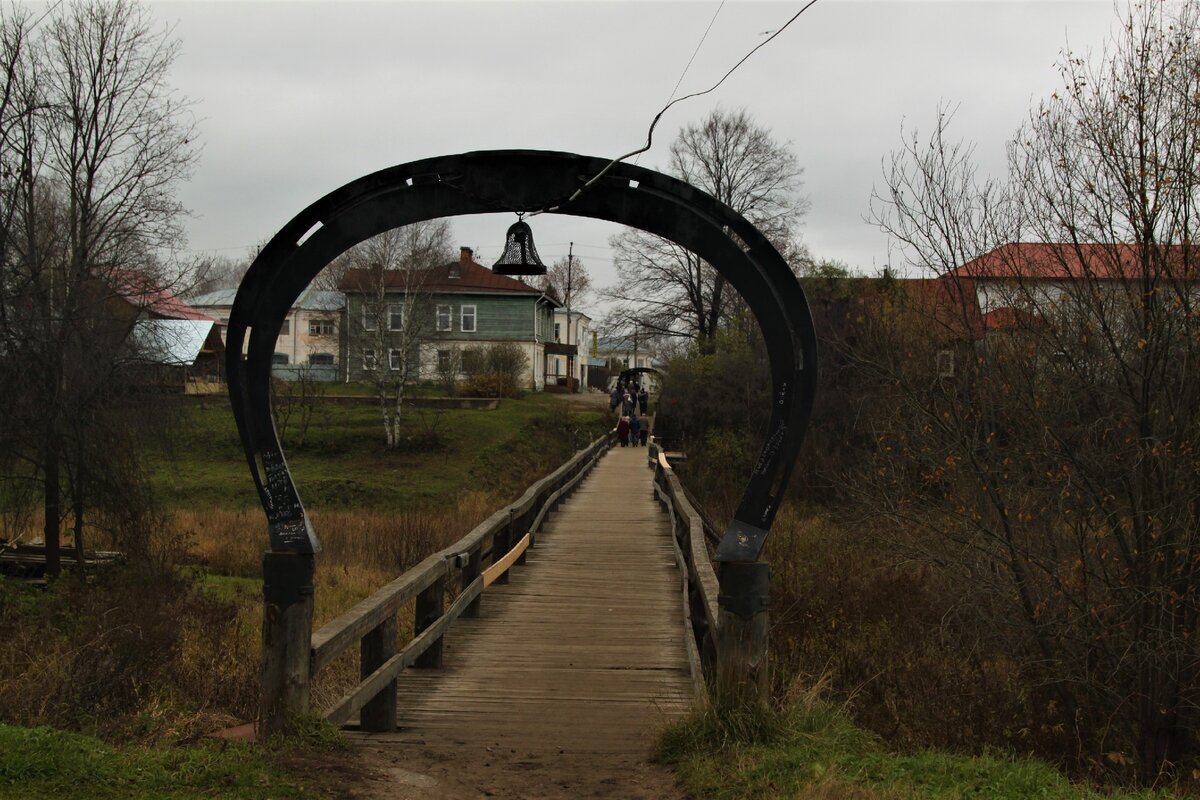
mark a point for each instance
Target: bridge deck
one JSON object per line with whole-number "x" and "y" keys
{"x": 582, "y": 654}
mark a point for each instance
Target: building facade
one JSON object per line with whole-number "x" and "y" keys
{"x": 309, "y": 338}
{"x": 437, "y": 319}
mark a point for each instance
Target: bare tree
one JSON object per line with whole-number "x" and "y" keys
{"x": 95, "y": 143}
{"x": 570, "y": 283}
{"x": 393, "y": 271}
{"x": 1056, "y": 473}
{"x": 668, "y": 288}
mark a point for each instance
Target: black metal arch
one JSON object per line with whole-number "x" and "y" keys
{"x": 520, "y": 180}
{"x": 629, "y": 372}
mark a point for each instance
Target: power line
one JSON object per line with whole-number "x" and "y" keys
{"x": 658, "y": 116}
{"x": 688, "y": 66}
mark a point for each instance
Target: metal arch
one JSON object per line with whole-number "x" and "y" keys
{"x": 520, "y": 180}
{"x": 630, "y": 371}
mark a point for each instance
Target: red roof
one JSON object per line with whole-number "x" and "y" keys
{"x": 464, "y": 276}
{"x": 142, "y": 292}
{"x": 1040, "y": 261}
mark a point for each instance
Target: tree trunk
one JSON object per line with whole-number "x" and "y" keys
{"x": 50, "y": 527}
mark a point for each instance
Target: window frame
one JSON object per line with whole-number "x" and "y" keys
{"x": 449, "y": 309}
{"x": 462, "y": 317}
{"x": 320, "y": 327}
{"x": 370, "y": 362}
{"x": 368, "y": 320}
{"x": 279, "y": 359}
{"x": 322, "y": 363}
{"x": 395, "y": 359}
{"x": 392, "y": 310}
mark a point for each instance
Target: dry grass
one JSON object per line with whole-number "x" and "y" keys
{"x": 160, "y": 652}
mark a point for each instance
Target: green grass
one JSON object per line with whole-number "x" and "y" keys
{"x": 816, "y": 752}
{"x": 344, "y": 464}
{"x": 47, "y": 763}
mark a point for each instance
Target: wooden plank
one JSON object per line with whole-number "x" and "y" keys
{"x": 584, "y": 650}
{"x": 500, "y": 567}
{"x": 352, "y": 703}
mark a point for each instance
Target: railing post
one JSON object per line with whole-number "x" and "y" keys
{"x": 470, "y": 572}
{"x": 501, "y": 543}
{"x": 743, "y": 677}
{"x": 287, "y": 639}
{"x": 379, "y": 714}
{"x": 522, "y": 527}
{"x": 431, "y": 604}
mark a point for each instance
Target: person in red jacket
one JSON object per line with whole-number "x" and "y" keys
{"x": 623, "y": 431}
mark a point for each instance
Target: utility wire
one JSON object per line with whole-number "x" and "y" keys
{"x": 658, "y": 116}
{"x": 693, "y": 58}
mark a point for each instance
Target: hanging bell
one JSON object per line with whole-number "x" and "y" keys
{"x": 520, "y": 256}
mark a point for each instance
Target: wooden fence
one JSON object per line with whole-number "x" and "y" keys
{"x": 498, "y": 542}
{"x": 698, "y": 579}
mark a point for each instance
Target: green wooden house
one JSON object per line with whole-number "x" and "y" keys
{"x": 457, "y": 309}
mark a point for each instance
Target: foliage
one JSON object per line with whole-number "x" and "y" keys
{"x": 500, "y": 370}
{"x": 810, "y": 749}
{"x": 94, "y": 143}
{"x": 1058, "y": 467}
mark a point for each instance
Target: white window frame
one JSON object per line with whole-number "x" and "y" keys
{"x": 557, "y": 332}
{"x": 394, "y": 359}
{"x": 449, "y": 317}
{"x": 462, "y": 319}
{"x": 368, "y": 319}
{"x": 320, "y": 327}
{"x": 393, "y": 310}
{"x": 369, "y": 360}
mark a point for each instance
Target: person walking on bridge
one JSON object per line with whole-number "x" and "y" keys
{"x": 635, "y": 429}
{"x": 643, "y": 400}
{"x": 623, "y": 431}
{"x": 614, "y": 399}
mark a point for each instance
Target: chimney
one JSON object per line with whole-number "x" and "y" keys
{"x": 464, "y": 258}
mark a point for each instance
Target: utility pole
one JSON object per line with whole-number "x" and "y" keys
{"x": 570, "y": 356}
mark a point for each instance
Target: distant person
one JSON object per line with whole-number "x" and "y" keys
{"x": 623, "y": 431}
{"x": 645, "y": 433}
{"x": 627, "y": 404}
{"x": 635, "y": 430}
{"x": 644, "y": 400}
{"x": 614, "y": 399}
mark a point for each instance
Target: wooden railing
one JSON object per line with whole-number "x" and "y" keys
{"x": 698, "y": 579}
{"x": 500, "y": 541}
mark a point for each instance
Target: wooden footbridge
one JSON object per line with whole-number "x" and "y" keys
{"x": 570, "y": 622}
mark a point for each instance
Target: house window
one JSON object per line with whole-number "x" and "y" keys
{"x": 443, "y": 361}
{"x": 320, "y": 327}
{"x": 394, "y": 357}
{"x": 369, "y": 362}
{"x": 286, "y": 328}
{"x": 279, "y": 359}
{"x": 472, "y": 361}
{"x": 395, "y": 318}
{"x": 320, "y": 359}
{"x": 368, "y": 318}
{"x": 444, "y": 318}
{"x": 557, "y": 332}
{"x": 467, "y": 321}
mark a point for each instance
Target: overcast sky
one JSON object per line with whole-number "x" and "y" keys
{"x": 298, "y": 98}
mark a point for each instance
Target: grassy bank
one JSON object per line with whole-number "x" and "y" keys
{"x": 48, "y": 764}
{"x": 812, "y": 751}
{"x": 343, "y": 464}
